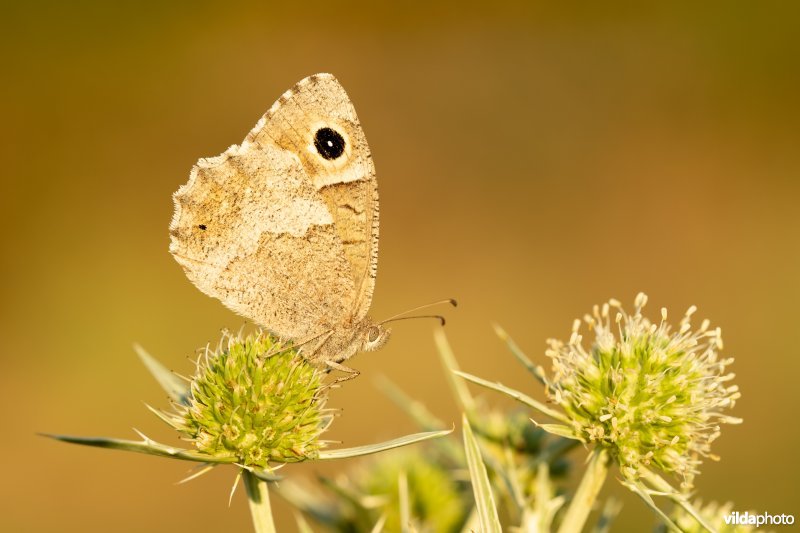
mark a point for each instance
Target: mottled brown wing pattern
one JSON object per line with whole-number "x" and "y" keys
{"x": 348, "y": 184}
{"x": 276, "y": 231}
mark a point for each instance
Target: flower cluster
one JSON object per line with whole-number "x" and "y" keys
{"x": 436, "y": 500}
{"x": 649, "y": 394}
{"x": 255, "y": 400}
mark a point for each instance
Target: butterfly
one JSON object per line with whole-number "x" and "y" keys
{"x": 283, "y": 228}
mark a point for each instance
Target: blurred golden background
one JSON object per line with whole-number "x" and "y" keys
{"x": 533, "y": 160}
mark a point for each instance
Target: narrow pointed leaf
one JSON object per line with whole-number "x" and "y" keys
{"x": 388, "y": 445}
{"x": 415, "y": 409}
{"x": 586, "y": 494}
{"x": 519, "y": 396}
{"x": 481, "y": 488}
{"x": 404, "y": 499}
{"x": 196, "y": 472}
{"x": 236, "y": 481}
{"x": 264, "y": 475}
{"x": 665, "y": 489}
{"x": 519, "y": 354}
{"x": 147, "y": 446}
{"x": 307, "y": 501}
{"x": 473, "y": 522}
{"x": 506, "y": 487}
{"x": 560, "y": 430}
{"x": 302, "y": 524}
{"x": 380, "y": 524}
{"x": 174, "y": 386}
{"x": 363, "y": 502}
{"x": 611, "y": 509}
{"x": 165, "y": 417}
{"x": 545, "y": 503}
{"x": 420, "y": 414}
{"x": 449, "y": 362}
{"x": 642, "y": 492}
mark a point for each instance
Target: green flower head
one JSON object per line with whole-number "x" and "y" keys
{"x": 255, "y": 400}
{"x": 649, "y": 394}
{"x": 437, "y": 502}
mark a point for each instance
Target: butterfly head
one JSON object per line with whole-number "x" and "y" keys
{"x": 374, "y": 336}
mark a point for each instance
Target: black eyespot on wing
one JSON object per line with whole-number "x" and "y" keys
{"x": 329, "y": 143}
{"x": 203, "y": 227}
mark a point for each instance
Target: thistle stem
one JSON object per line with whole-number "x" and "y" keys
{"x": 587, "y": 492}
{"x": 260, "y": 510}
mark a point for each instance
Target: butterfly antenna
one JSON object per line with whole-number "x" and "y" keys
{"x": 400, "y": 316}
{"x": 440, "y": 318}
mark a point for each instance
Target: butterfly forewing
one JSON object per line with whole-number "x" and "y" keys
{"x": 283, "y": 228}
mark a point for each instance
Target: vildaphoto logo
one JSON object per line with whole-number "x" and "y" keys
{"x": 763, "y": 519}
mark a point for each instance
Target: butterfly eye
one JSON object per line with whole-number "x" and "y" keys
{"x": 373, "y": 334}
{"x": 329, "y": 143}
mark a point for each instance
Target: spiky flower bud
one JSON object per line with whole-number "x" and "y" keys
{"x": 255, "y": 400}
{"x": 648, "y": 394}
{"x": 436, "y": 501}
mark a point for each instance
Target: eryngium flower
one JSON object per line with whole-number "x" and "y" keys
{"x": 436, "y": 501}
{"x": 417, "y": 489}
{"x": 254, "y": 400}
{"x": 648, "y": 394}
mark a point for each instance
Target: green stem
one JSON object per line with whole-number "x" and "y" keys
{"x": 587, "y": 493}
{"x": 260, "y": 510}
{"x": 658, "y": 483}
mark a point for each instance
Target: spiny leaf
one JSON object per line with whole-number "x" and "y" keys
{"x": 640, "y": 490}
{"x": 449, "y": 362}
{"x": 665, "y": 489}
{"x": 145, "y": 446}
{"x": 610, "y": 510}
{"x": 174, "y": 386}
{"x": 415, "y": 409}
{"x": 519, "y": 354}
{"x": 379, "y": 447}
{"x": 519, "y": 396}
{"x": 484, "y": 501}
{"x": 263, "y": 475}
{"x": 559, "y": 430}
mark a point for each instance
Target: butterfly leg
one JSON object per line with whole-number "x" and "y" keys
{"x": 350, "y": 373}
{"x": 308, "y": 347}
